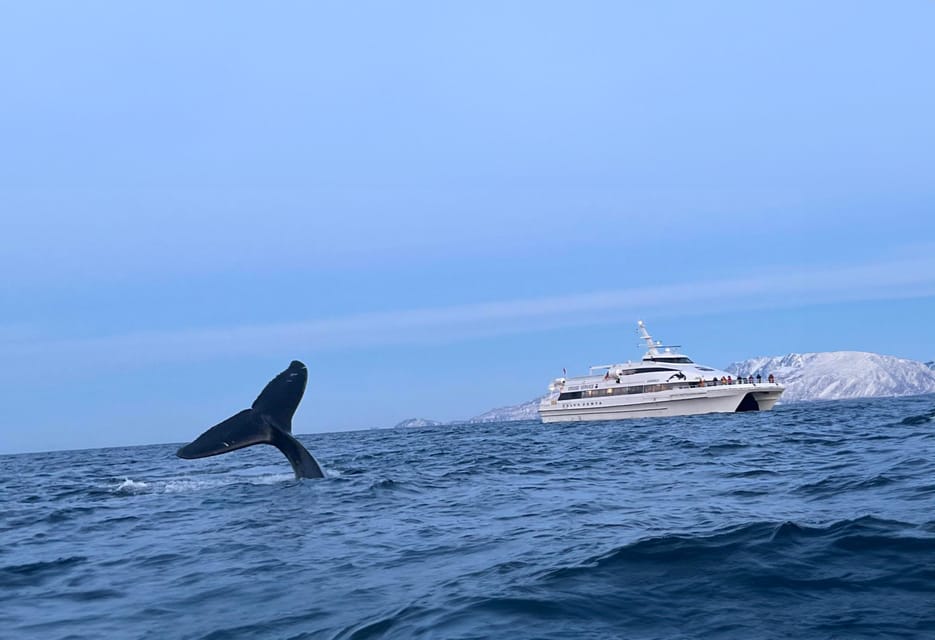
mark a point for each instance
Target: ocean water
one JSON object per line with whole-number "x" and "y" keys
{"x": 811, "y": 521}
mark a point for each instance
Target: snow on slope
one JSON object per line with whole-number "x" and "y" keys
{"x": 525, "y": 411}
{"x": 835, "y": 375}
{"x": 417, "y": 422}
{"x": 830, "y": 375}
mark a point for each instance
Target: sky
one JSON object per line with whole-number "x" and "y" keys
{"x": 438, "y": 206}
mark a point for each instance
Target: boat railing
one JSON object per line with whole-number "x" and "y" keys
{"x": 742, "y": 380}
{"x": 599, "y": 367}
{"x": 593, "y": 386}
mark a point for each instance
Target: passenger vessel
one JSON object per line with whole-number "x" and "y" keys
{"x": 664, "y": 383}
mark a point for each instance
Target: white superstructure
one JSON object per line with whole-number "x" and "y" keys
{"x": 664, "y": 383}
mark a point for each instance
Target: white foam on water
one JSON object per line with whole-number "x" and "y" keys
{"x": 199, "y": 483}
{"x": 184, "y": 485}
{"x": 272, "y": 479}
{"x": 131, "y": 486}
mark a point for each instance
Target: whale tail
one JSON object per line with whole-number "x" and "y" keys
{"x": 267, "y": 421}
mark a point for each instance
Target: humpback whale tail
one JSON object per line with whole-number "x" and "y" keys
{"x": 268, "y": 421}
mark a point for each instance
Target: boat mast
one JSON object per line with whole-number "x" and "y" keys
{"x": 644, "y": 334}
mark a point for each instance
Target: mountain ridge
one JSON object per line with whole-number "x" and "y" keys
{"x": 840, "y": 375}
{"x": 822, "y": 375}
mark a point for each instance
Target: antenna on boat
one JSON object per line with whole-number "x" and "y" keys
{"x": 644, "y": 335}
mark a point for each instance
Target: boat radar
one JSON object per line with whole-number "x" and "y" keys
{"x": 652, "y": 348}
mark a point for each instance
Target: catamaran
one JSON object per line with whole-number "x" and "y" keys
{"x": 664, "y": 383}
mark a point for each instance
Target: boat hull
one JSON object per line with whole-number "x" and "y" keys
{"x": 682, "y": 402}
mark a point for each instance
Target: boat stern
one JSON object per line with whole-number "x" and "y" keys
{"x": 760, "y": 398}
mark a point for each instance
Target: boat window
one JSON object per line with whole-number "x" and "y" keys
{"x": 629, "y": 389}
{"x": 673, "y": 360}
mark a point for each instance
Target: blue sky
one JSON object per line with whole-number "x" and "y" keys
{"x": 437, "y": 206}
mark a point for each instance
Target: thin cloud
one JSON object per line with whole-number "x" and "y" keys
{"x": 761, "y": 290}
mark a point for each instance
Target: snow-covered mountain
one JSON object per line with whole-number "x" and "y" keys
{"x": 417, "y": 422}
{"x": 836, "y": 375}
{"x": 830, "y": 375}
{"x": 526, "y": 411}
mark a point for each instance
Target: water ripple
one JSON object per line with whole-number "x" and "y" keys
{"x": 808, "y": 521}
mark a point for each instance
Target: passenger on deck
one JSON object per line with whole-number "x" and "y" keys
{"x": 723, "y": 380}
{"x": 759, "y": 379}
{"x": 771, "y": 379}
{"x": 730, "y": 380}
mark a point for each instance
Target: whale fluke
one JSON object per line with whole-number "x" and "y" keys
{"x": 268, "y": 421}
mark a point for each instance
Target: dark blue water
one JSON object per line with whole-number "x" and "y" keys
{"x": 811, "y": 521}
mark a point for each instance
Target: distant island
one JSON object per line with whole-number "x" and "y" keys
{"x": 827, "y": 375}
{"x": 417, "y": 422}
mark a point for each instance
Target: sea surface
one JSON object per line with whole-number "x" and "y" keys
{"x": 811, "y": 521}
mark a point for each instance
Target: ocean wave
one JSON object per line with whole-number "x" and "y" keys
{"x": 758, "y": 550}
{"x": 35, "y": 573}
{"x": 835, "y": 485}
{"x": 730, "y": 582}
{"x": 777, "y": 525}
{"x": 918, "y": 419}
{"x": 395, "y": 486}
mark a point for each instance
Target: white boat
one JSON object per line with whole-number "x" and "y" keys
{"x": 664, "y": 383}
